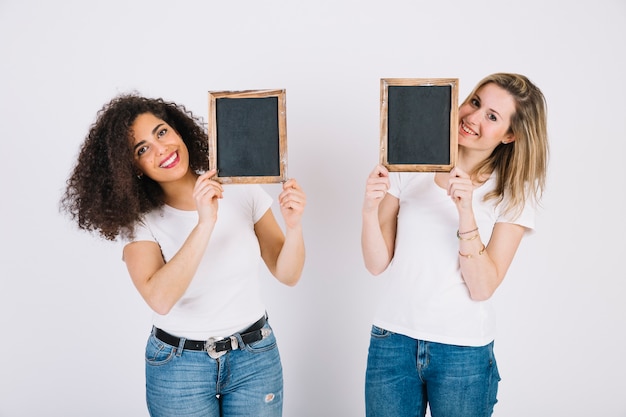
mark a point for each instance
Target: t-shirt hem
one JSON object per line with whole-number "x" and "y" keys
{"x": 436, "y": 338}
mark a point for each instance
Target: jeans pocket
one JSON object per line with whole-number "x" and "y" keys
{"x": 379, "y": 332}
{"x": 263, "y": 345}
{"x": 157, "y": 352}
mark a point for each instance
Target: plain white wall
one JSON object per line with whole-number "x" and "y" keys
{"x": 72, "y": 325}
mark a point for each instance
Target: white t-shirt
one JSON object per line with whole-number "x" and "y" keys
{"x": 224, "y": 295}
{"x": 426, "y": 297}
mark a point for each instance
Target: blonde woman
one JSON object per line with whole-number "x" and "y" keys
{"x": 445, "y": 242}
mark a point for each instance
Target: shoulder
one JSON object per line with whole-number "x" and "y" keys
{"x": 142, "y": 228}
{"x": 520, "y": 209}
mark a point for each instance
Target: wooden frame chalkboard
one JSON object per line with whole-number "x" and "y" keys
{"x": 248, "y": 136}
{"x": 419, "y": 123}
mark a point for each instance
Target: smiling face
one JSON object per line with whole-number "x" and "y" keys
{"x": 159, "y": 151}
{"x": 485, "y": 119}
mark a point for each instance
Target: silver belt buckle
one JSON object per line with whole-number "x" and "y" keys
{"x": 209, "y": 346}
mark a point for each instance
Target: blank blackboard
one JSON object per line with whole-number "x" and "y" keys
{"x": 247, "y": 136}
{"x": 419, "y": 122}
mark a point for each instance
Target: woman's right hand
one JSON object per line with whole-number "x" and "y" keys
{"x": 379, "y": 221}
{"x": 206, "y": 193}
{"x": 376, "y": 188}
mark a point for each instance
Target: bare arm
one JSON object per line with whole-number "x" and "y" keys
{"x": 483, "y": 268}
{"x": 379, "y": 222}
{"x": 484, "y": 274}
{"x": 284, "y": 254}
{"x": 162, "y": 284}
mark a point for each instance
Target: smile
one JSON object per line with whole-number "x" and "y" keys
{"x": 467, "y": 129}
{"x": 169, "y": 161}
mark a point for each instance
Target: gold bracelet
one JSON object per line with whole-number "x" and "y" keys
{"x": 469, "y": 255}
{"x": 458, "y": 235}
{"x": 465, "y": 233}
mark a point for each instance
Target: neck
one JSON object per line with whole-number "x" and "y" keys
{"x": 179, "y": 193}
{"x": 468, "y": 160}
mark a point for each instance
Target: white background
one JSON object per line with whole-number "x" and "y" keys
{"x": 72, "y": 326}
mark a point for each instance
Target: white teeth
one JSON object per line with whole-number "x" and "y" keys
{"x": 468, "y": 130}
{"x": 169, "y": 160}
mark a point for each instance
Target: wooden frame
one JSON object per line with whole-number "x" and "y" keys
{"x": 418, "y": 123}
{"x": 248, "y": 136}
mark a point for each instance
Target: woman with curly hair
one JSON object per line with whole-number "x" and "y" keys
{"x": 446, "y": 241}
{"x": 192, "y": 249}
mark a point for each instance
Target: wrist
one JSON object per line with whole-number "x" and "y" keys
{"x": 470, "y": 234}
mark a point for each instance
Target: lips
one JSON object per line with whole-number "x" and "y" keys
{"x": 170, "y": 161}
{"x": 467, "y": 129}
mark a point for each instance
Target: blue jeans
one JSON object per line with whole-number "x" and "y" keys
{"x": 405, "y": 375}
{"x": 245, "y": 382}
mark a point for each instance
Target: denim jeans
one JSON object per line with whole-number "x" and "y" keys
{"x": 406, "y": 375}
{"x": 247, "y": 382}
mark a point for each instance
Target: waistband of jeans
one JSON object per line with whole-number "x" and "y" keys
{"x": 252, "y": 334}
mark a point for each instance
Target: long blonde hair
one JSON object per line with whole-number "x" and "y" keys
{"x": 520, "y": 165}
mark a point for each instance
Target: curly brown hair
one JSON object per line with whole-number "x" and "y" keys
{"x": 104, "y": 194}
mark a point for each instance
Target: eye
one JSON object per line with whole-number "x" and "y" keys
{"x": 161, "y": 132}
{"x": 492, "y": 117}
{"x": 475, "y": 102}
{"x": 141, "y": 150}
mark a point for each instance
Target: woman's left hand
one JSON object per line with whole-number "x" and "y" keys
{"x": 460, "y": 188}
{"x": 292, "y": 201}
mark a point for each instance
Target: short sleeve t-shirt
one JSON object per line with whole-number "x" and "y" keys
{"x": 426, "y": 297}
{"x": 224, "y": 295}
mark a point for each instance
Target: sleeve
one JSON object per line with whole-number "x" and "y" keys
{"x": 261, "y": 202}
{"x": 394, "y": 184}
{"x": 142, "y": 232}
{"x": 525, "y": 218}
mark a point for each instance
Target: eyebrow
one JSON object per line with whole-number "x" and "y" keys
{"x": 138, "y": 144}
{"x": 157, "y": 128}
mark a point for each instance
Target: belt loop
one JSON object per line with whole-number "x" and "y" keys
{"x": 181, "y": 346}
{"x": 240, "y": 342}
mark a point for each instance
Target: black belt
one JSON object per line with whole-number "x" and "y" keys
{"x": 252, "y": 334}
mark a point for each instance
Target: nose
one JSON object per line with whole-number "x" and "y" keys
{"x": 160, "y": 148}
{"x": 472, "y": 117}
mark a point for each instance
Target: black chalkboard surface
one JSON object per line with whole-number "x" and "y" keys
{"x": 247, "y": 136}
{"x": 419, "y": 123}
